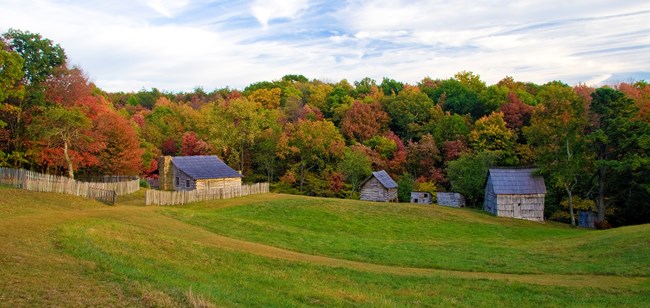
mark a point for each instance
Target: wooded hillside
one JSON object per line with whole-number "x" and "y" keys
{"x": 323, "y": 138}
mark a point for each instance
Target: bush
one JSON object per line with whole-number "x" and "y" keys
{"x": 144, "y": 183}
{"x": 405, "y": 187}
{"x": 602, "y": 225}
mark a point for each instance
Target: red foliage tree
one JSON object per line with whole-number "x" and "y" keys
{"x": 169, "y": 147}
{"x": 192, "y": 145}
{"x": 122, "y": 154}
{"x": 422, "y": 156}
{"x": 310, "y": 113}
{"x": 67, "y": 87}
{"x": 364, "y": 121}
{"x": 453, "y": 149}
{"x": 640, "y": 93}
{"x": 515, "y": 112}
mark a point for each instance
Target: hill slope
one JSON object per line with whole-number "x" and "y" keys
{"x": 282, "y": 250}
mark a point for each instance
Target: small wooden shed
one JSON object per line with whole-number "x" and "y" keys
{"x": 379, "y": 187}
{"x": 587, "y": 219}
{"x": 201, "y": 173}
{"x": 421, "y": 197}
{"x": 516, "y": 193}
{"x": 450, "y": 199}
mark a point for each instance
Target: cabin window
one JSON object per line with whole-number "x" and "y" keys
{"x": 187, "y": 183}
{"x": 178, "y": 181}
{"x": 426, "y": 195}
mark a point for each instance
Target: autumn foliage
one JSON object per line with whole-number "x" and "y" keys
{"x": 322, "y": 138}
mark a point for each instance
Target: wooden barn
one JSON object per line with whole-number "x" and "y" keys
{"x": 201, "y": 173}
{"x": 421, "y": 197}
{"x": 516, "y": 193}
{"x": 379, "y": 187}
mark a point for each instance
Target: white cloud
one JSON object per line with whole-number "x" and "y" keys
{"x": 267, "y": 10}
{"x": 167, "y": 8}
{"x": 217, "y": 44}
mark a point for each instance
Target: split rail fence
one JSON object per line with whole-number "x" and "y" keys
{"x": 160, "y": 197}
{"x": 34, "y": 181}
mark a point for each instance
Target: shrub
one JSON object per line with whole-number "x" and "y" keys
{"x": 602, "y": 225}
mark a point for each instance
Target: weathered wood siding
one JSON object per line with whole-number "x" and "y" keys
{"x": 450, "y": 199}
{"x": 490, "y": 202}
{"x": 373, "y": 190}
{"x": 202, "y": 185}
{"x": 421, "y": 197}
{"x": 209, "y": 185}
{"x": 181, "y": 179}
{"x": 530, "y": 207}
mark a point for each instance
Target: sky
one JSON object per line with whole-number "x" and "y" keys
{"x": 180, "y": 45}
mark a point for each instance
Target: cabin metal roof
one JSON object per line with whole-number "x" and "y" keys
{"x": 204, "y": 167}
{"x": 384, "y": 179}
{"x": 516, "y": 181}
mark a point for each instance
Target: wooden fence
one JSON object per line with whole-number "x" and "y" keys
{"x": 160, "y": 197}
{"x": 34, "y": 181}
{"x": 102, "y": 195}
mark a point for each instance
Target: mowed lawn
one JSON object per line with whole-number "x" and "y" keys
{"x": 279, "y": 250}
{"x": 426, "y": 236}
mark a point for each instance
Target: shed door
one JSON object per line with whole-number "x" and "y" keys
{"x": 517, "y": 209}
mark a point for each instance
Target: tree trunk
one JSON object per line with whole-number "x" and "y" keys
{"x": 302, "y": 175}
{"x": 573, "y": 216}
{"x": 601, "y": 194}
{"x": 68, "y": 160}
{"x": 241, "y": 159}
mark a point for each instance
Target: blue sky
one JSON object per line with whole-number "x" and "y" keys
{"x": 179, "y": 45}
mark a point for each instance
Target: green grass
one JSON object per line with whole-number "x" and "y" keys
{"x": 426, "y": 236}
{"x": 60, "y": 250}
{"x": 174, "y": 266}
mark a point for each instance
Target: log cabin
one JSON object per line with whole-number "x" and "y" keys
{"x": 516, "y": 193}
{"x": 201, "y": 173}
{"x": 379, "y": 187}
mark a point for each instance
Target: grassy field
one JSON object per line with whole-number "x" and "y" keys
{"x": 279, "y": 250}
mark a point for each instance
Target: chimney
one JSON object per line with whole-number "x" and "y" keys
{"x": 165, "y": 173}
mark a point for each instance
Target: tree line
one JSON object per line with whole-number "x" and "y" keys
{"x": 324, "y": 138}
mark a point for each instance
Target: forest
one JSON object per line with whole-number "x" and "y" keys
{"x": 323, "y": 138}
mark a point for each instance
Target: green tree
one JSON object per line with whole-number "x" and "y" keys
{"x": 391, "y": 86}
{"x": 468, "y": 174}
{"x": 405, "y": 186}
{"x": 622, "y": 142}
{"x": 266, "y": 146}
{"x": 364, "y": 86}
{"x": 471, "y": 80}
{"x": 409, "y": 111}
{"x": 491, "y": 134}
{"x": 312, "y": 145}
{"x": 11, "y": 73}
{"x": 458, "y": 98}
{"x": 234, "y": 126}
{"x": 557, "y": 136}
{"x": 356, "y": 167}
{"x": 41, "y": 56}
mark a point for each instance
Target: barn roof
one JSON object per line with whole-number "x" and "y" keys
{"x": 204, "y": 167}
{"x": 516, "y": 181}
{"x": 383, "y": 178}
